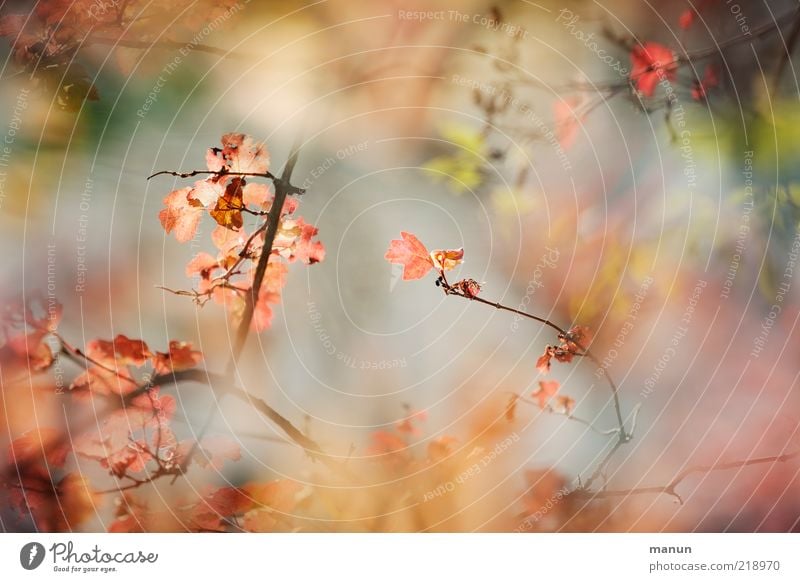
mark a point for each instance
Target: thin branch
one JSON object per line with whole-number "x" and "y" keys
{"x": 450, "y": 290}
{"x": 192, "y": 375}
{"x": 568, "y": 416}
{"x": 219, "y": 173}
{"x": 283, "y": 188}
{"x": 670, "y": 488}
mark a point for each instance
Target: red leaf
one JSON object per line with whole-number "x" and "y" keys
{"x": 410, "y": 253}
{"x": 256, "y": 194}
{"x": 686, "y": 19}
{"x": 122, "y": 351}
{"x": 239, "y": 153}
{"x": 577, "y": 339}
{"x": 56, "y": 507}
{"x": 547, "y": 389}
{"x": 11, "y": 24}
{"x": 270, "y": 293}
{"x": 202, "y": 264}
{"x": 228, "y": 210}
{"x": 543, "y": 363}
{"x": 180, "y": 356}
{"x": 181, "y": 214}
{"x": 652, "y": 62}
{"x": 26, "y": 352}
{"x": 103, "y": 382}
{"x": 212, "y": 509}
{"x": 445, "y": 260}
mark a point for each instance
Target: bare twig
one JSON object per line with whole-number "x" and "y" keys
{"x": 670, "y": 488}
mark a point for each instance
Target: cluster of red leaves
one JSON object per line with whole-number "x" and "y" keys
{"x": 46, "y": 38}
{"x": 253, "y": 507}
{"x": 24, "y": 327}
{"x": 53, "y": 503}
{"x": 651, "y": 63}
{"x": 417, "y": 261}
{"x": 131, "y": 440}
{"x": 227, "y": 278}
{"x": 573, "y": 342}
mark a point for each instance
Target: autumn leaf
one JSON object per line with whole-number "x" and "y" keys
{"x": 180, "y": 356}
{"x": 547, "y": 389}
{"x": 11, "y": 24}
{"x": 410, "y": 253}
{"x": 102, "y": 382}
{"x": 652, "y": 62}
{"x": 686, "y": 18}
{"x": 543, "y": 363}
{"x": 202, "y": 264}
{"x": 239, "y": 153}
{"x": 209, "y": 512}
{"x": 446, "y": 260}
{"x": 294, "y": 241}
{"x": 121, "y": 351}
{"x": 387, "y": 443}
{"x": 181, "y": 214}
{"x": 38, "y": 444}
{"x": 576, "y": 339}
{"x": 26, "y": 352}
{"x": 58, "y": 507}
{"x": 228, "y": 210}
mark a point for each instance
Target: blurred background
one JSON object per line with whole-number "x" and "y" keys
{"x": 667, "y": 223}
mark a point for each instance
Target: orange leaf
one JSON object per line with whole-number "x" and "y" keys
{"x": 181, "y": 214}
{"x": 410, "y": 253}
{"x": 228, "y": 210}
{"x": 652, "y": 62}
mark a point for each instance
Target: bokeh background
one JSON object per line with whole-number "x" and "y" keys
{"x": 670, "y": 232}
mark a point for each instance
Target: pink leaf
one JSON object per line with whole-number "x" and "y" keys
{"x": 410, "y": 253}
{"x": 180, "y": 215}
